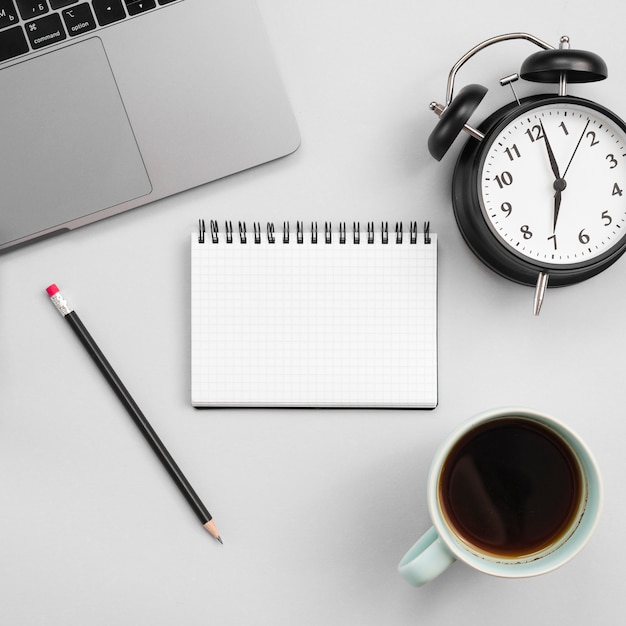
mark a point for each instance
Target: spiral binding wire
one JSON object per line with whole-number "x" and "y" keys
{"x": 271, "y": 232}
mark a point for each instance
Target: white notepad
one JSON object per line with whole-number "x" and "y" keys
{"x": 291, "y": 319}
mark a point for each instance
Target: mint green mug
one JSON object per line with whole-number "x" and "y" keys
{"x": 511, "y": 492}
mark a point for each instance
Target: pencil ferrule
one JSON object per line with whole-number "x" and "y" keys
{"x": 61, "y": 304}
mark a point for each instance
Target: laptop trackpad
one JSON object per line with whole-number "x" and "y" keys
{"x": 67, "y": 147}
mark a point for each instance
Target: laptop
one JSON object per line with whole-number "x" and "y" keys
{"x": 108, "y": 105}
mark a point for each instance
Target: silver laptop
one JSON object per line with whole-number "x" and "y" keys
{"x": 107, "y": 105}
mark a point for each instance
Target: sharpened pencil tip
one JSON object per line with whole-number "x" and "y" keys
{"x": 210, "y": 526}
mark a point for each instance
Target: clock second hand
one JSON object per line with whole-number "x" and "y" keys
{"x": 560, "y": 184}
{"x": 576, "y": 148}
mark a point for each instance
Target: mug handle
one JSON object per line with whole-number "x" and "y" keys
{"x": 428, "y": 558}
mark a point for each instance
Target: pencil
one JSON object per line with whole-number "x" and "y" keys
{"x": 134, "y": 411}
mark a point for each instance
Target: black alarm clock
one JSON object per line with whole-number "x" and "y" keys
{"x": 539, "y": 189}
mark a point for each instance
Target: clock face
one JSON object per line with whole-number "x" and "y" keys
{"x": 552, "y": 182}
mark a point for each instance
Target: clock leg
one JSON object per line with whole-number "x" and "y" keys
{"x": 540, "y": 291}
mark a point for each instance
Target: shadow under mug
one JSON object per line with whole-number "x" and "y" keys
{"x": 441, "y": 545}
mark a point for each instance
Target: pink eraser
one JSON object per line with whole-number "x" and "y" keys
{"x": 52, "y": 290}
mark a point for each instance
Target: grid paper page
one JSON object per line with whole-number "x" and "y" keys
{"x": 325, "y": 324}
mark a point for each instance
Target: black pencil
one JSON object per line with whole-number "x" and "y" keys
{"x": 134, "y": 411}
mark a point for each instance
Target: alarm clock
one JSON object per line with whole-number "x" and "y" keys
{"x": 539, "y": 189}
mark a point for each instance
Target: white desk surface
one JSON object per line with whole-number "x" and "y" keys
{"x": 316, "y": 508}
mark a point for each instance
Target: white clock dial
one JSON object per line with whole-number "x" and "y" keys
{"x": 553, "y": 183}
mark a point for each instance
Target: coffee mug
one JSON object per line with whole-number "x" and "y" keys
{"x": 512, "y": 493}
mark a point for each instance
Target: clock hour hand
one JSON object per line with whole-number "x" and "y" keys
{"x": 559, "y": 185}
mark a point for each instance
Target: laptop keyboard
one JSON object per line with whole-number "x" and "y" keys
{"x": 28, "y": 25}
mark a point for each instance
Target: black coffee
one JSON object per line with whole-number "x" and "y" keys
{"x": 510, "y": 487}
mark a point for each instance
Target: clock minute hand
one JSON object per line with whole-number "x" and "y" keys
{"x": 559, "y": 183}
{"x": 553, "y": 163}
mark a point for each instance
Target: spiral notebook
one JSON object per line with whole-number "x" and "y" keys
{"x": 308, "y": 318}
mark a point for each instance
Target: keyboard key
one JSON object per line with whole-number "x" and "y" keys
{"x": 134, "y": 7}
{"x": 8, "y": 14}
{"x": 45, "y": 31}
{"x": 32, "y": 8}
{"x": 59, "y": 4}
{"x": 108, "y": 11}
{"x": 162, "y": 2}
{"x": 12, "y": 43}
{"x": 79, "y": 19}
